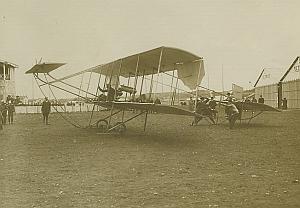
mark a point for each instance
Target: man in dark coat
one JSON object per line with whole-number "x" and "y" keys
{"x": 46, "y": 108}
{"x": 261, "y": 99}
{"x": 284, "y": 104}
{"x": 10, "y": 112}
{"x": 202, "y": 108}
{"x": 112, "y": 94}
{"x": 254, "y": 100}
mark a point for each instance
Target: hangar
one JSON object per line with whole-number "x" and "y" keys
{"x": 275, "y": 85}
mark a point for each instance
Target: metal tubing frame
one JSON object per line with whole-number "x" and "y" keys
{"x": 135, "y": 76}
{"x": 158, "y": 68}
{"x": 172, "y": 87}
{"x": 88, "y": 87}
{"x": 151, "y": 86}
{"x": 80, "y": 90}
{"x": 107, "y": 116}
{"x": 116, "y": 87}
{"x": 97, "y": 90}
{"x": 80, "y": 84}
{"x": 145, "y": 122}
{"x": 36, "y": 75}
{"x": 174, "y": 93}
{"x": 133, "y": 117}
{"x": 200, "y": 65}
{"x": 142, "y": 82}
{"x": 123, "y": 111}
{"x": 36, "y": 78}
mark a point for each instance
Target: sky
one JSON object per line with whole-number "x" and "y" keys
{"x": 242, "y": 37}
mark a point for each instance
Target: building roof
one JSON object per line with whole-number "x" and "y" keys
{"x": 8, "y": 63}
{"x": 270, "y": 76}
{"x": 293, "y": 71}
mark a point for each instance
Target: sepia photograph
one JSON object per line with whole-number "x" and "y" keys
{"x": 149, "y": 103}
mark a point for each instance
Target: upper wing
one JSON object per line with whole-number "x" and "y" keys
{"x": 159, "y": 108}
{"x": 190, "y": 67}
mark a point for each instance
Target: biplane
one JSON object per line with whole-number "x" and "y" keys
{"x": 132, "y": 84}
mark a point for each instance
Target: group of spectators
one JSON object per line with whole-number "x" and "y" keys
{"x": 254, "y": 100}
{"x": 262, "y": 101}
{"x": 7, "y": 110}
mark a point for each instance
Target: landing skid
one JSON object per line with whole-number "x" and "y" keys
{"x": 104, "y": 125}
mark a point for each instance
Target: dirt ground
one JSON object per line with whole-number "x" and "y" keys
{"x": 171, "y": 165}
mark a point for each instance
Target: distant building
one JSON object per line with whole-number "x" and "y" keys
{"x": 276, "y": 85}
{"x": 7, "y": 79}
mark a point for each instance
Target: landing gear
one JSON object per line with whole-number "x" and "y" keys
{"x": 120, "y": 127}
{"x": 102, "y": 125}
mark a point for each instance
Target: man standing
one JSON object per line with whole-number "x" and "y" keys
{"x": 254, "y": 100}
{"x": 261, "y": 100}
{"x": 212, "y": 104}
{"x": 10, "y": 112}
{"x": 284, "y": 104}
{"x": 46, "y": 108}
{"x": 157, "y": 101}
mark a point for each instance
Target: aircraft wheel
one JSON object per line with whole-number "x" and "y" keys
{"x": 102, "y": 125}
{"x": 121, "y": 128}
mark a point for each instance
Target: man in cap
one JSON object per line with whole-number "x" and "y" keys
{"x": 232, "y": 112}
{"x": 261, "y": 99}
{"x": 46, "y": 108}
{"x": 212, "y": 104}
{"x": 112, "y": 94}
{"x": 10, "y": 111}
{"x": 202, "y": 108}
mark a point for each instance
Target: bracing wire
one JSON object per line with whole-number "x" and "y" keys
{"x": 55, "y": 108}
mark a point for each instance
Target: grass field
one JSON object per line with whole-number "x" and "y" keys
{"x": 171, "y": 165}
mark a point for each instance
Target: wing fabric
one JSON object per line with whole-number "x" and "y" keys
{"x": 191, "y": 73}
{"x": 255, "y": 106}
